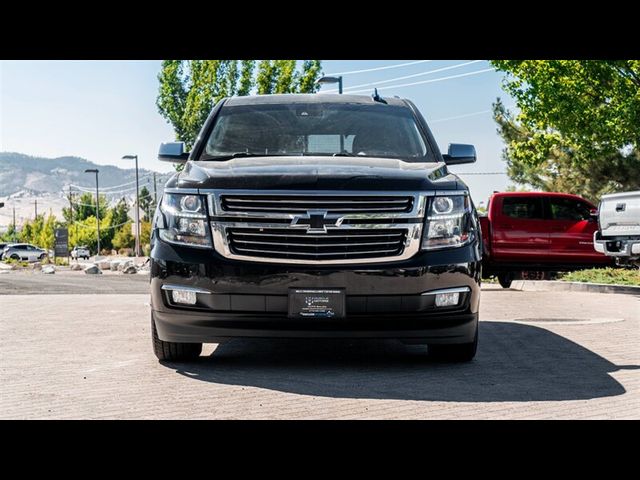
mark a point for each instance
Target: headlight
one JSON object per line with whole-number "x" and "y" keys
{"x": 448, "y": 222}
{"x": 182, "y": 219}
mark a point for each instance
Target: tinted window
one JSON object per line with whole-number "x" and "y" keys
{"x": 522, "y": 207}
{"x": 317, "y": 129}
{"x": 569, "y": 209}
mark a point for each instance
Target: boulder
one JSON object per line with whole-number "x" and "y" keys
{"x": 130, "y": 269}
{"x": 76, "y": 267}
{"x": 92, "y": 269}
{"x": 48, "y": 269}
{"x": 115, "y": 264}
{"x": 104, "y": 264}
{"x": 36, "y": 266}
{"x": 125, "y": 264}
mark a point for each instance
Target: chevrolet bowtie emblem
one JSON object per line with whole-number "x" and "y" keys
{"x": 316, "y": 221}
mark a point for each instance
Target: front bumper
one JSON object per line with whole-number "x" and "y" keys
{"x": 250, "y": 299}
{"x": 616, "y": 247}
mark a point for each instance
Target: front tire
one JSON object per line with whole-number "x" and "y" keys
{"x": 460, "y": 352}
{"x": 173, "y": 351}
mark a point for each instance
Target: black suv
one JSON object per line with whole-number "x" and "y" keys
{"x": 315, "y": 216}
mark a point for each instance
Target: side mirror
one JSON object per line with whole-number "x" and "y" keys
{"x": 173, "y": 152}
{"x": 460, "y": 153}
{"x": 593, "y": 214}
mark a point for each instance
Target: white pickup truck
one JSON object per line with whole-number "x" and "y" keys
{"x": 618, "y": 234}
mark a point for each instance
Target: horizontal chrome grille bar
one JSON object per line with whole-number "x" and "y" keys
{"x": 311, "y": 207}
{"x": 311, "y": 235}
{"x": 316, "y": 254}
{"x": 283, "y": 204}
{"x": 352, "y": 244}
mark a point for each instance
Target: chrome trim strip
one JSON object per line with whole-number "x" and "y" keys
{"x": 417, "y": 210}
{"x": 311, "y": 235}
{"x": 182, "y": 287}
{"x": 324, "y": 254}
{"x": 329, "y": 202}
{"x": 450, "y": 192}
{"x": 411, "y": 246}
{"x": 186, "y": 191}
{"x": 254, "y": 242}
{"x": 447, "y": 290}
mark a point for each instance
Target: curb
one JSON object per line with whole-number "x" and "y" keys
{"x": 559, "y": 286}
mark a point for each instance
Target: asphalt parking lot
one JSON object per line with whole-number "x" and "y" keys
{"x": 541, "y": 355}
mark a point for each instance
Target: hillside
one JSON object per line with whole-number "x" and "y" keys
{"x": 38, "y": 175}
{"x": 25, "y": 179}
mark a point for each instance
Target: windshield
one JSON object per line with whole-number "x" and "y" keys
{"x": 330, "y": 129}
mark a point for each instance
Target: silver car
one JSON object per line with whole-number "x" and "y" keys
{"x": 24, "y": 251}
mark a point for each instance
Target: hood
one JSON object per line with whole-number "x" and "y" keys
{"x": 315, "y": 173}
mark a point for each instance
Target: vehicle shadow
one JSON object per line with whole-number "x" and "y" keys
{"x": 515, "y": 362}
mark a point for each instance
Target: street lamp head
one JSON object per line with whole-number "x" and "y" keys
{"x": 129, "y": 157}
{"x": 329, "y": 79}
{"x": 91, "y": 170}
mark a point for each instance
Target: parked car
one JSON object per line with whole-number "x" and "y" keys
{"x": 2, "y": 247}
{"x": 533, "y": 235}
{"x": 618, "y": 234}
{"x": 24, "y": 251}
{"x": 305, "y": 216}
{"x": 80, "y": 252}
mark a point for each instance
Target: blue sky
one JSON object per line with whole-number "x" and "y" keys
{"x": 101, "y": 110}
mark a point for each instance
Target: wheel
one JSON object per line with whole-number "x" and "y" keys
{"x": 15, "y": 257}
{"x": 43, "y": 256}
{"x": 504, "y": 279}
{"x": 172, "y": 351}
{"x": 461, "y": 352}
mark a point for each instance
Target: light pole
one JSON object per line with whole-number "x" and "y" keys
{"x": 337, "y": 80}
{"x": 137, "y": 211}
{"x": 96, "y": 171}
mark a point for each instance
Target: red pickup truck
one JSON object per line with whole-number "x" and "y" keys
{"x": 532, "y": 235}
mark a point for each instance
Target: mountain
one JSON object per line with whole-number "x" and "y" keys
{"x": 34, "y": 176}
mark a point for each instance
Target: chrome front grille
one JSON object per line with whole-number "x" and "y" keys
{"x": 336, "y": 244}
{"x": 316, "y": 227}
{"x": 338, "y": 204}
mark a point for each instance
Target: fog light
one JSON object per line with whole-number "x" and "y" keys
{"x": 447, "y": 299}
{"x": 184, "y": 296}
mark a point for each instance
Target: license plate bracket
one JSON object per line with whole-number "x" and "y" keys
{"x": 317, "y": 303}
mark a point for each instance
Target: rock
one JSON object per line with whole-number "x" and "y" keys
{"x": 125, "y": 264}
{"x": 6, "y": 266}
{"x": 48, "y": 269}
{"x": 92, "y": 269}
{"x": 104, "y": 264}
{"x": 76, "y": 267}
{"x": 115, "y": 264}
{"x": 130, "y": 269}
{"x": 36, "y": 266}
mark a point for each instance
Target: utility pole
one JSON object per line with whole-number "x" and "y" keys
{"x": 96, "y": 171}
{"x": 155, "y": 191}
{"x": 137, "y": 210}
{"x": 36, "y": 204}
{"x": 14, "y": 223}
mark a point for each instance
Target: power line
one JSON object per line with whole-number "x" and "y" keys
{"x": 421, "y": 74}
{"x": 465, "y": 115}
{"x": 451, "y": 77}
{"x": 375, "y": 69}
{"x": 459, "y": 116}
{"x": 482, "y": 173}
